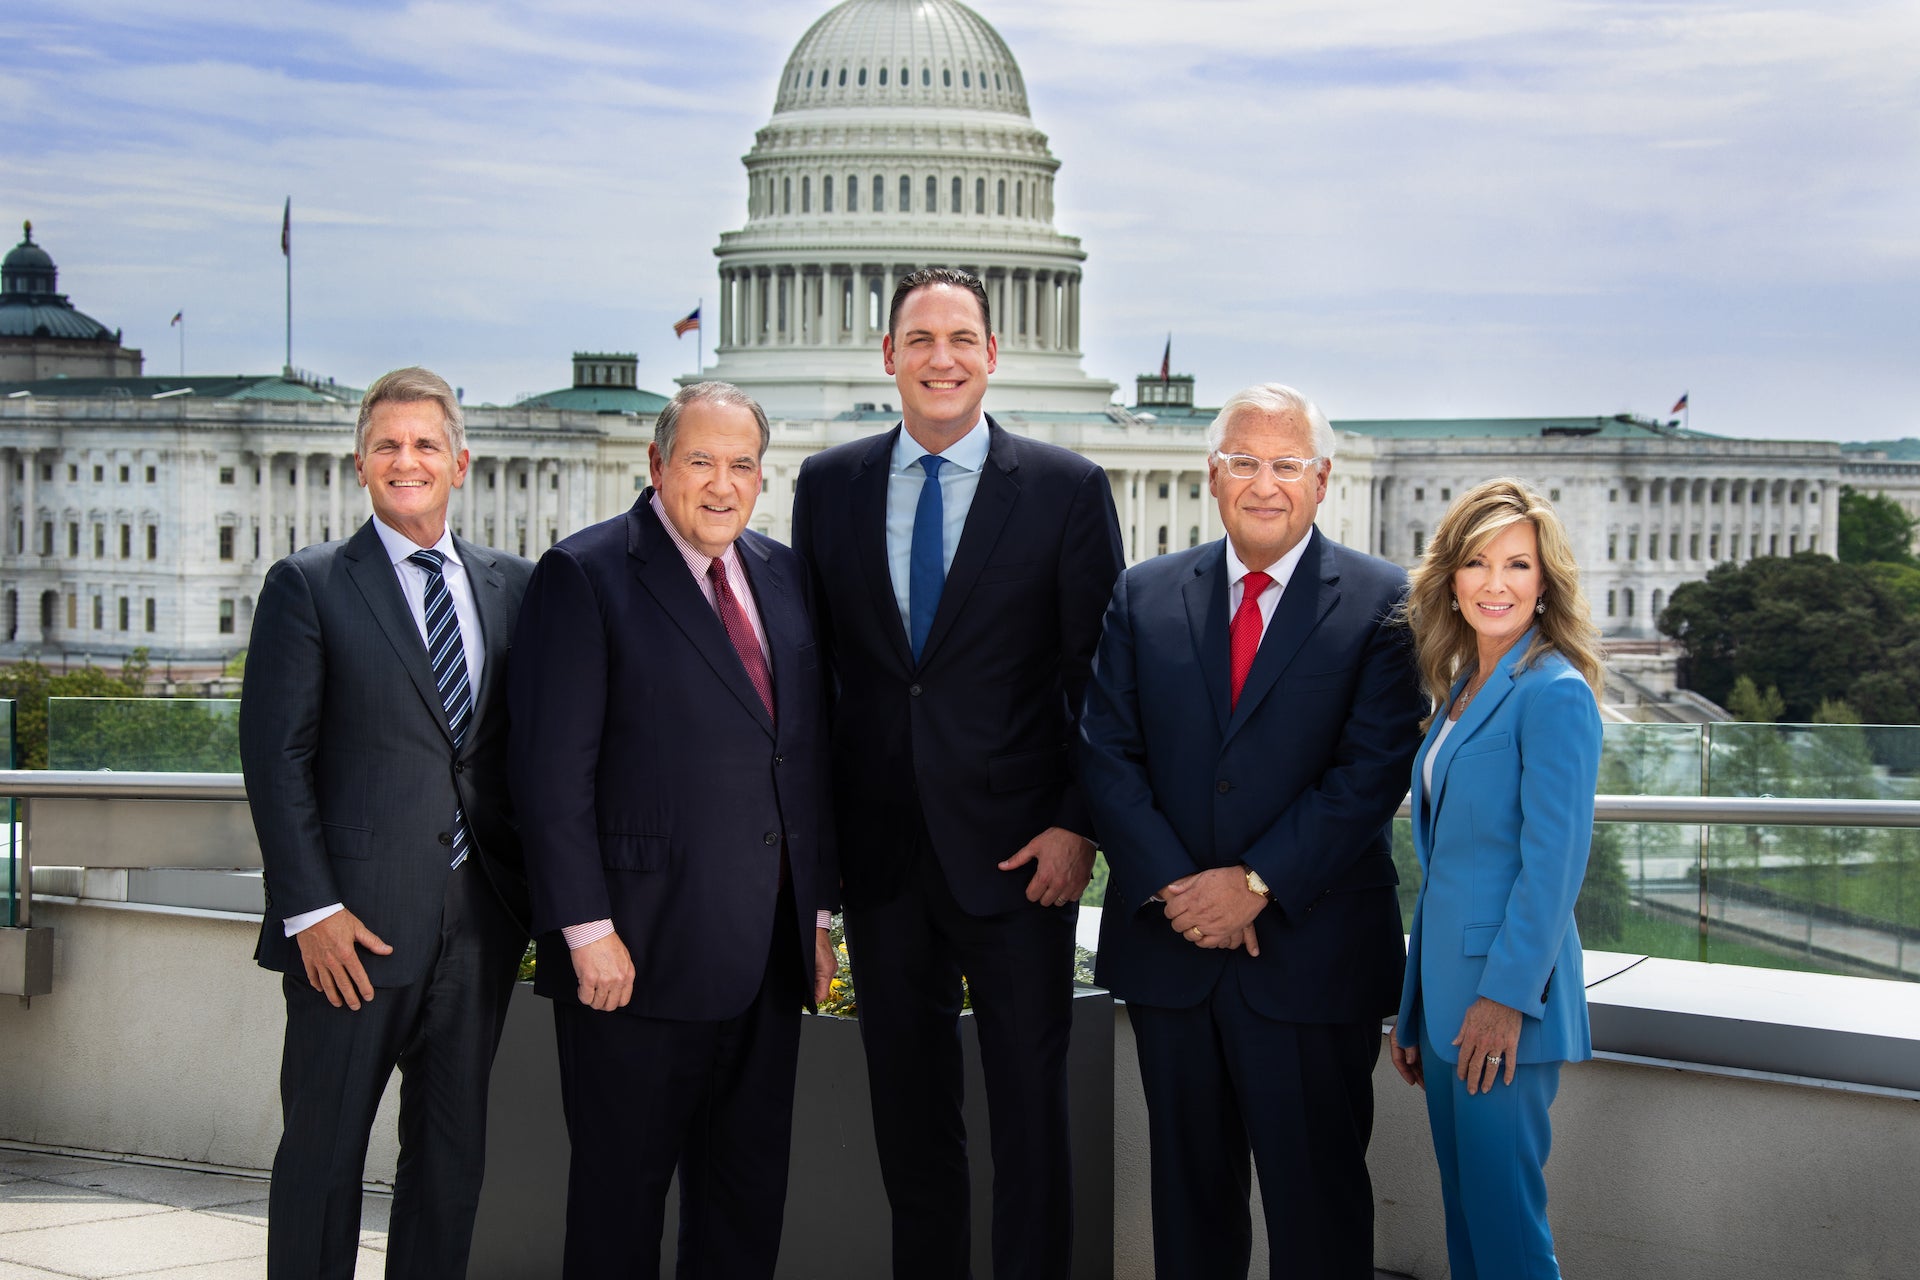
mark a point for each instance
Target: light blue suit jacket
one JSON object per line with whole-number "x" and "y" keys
{"x": 1502, "y": 842}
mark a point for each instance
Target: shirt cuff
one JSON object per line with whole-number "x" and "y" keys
{"x": 308, "y": 919}
{"x": 824, "y": 920}
{"x": 579, "y": 935}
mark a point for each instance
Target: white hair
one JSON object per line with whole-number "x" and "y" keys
{"x": 1273, "y": 398}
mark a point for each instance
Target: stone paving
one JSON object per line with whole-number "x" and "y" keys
{"x": 76, "y": 1218}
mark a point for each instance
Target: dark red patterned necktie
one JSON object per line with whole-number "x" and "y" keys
{"x": 1243, "y": 638}
{"x": 740, "y": 631}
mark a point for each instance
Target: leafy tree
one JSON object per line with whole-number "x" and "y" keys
{"x": 1805, "y": 625}
{"x": 1748, "y": 704}
{"x": 1874, "y": 529}
{"x": 142, "y": 734}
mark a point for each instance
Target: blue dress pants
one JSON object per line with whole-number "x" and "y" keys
{"x": 1492, "y": 1148}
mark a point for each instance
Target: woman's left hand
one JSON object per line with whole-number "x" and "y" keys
{"x": 1489, "y": 1038}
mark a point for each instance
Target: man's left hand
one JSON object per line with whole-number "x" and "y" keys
{"x": 1212, "y": 908}
{"x": 1066, "y": 864}
{"x": 826, "y": 963}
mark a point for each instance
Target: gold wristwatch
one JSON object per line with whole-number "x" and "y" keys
{"x": 1255, "y": 884}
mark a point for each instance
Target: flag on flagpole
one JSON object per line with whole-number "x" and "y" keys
{"x": 178, "y": 316}
{"x": 1680, "y": 405}
{"x": 1166, "y": 362}
{"x": 286, "y": 229}
{"x": 692, "y": 321}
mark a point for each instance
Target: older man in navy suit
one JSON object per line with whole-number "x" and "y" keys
{"x": 960, "y": 572}
{"x": 669, "y": 760}
{"x": 1247, "y": 736}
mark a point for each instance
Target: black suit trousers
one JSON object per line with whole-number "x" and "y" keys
{"x": 714, "y": 1100}
{"x": 441, "y": 1032}
{"x": 908, "y": 956}
{"x": 1222, "y": 1080}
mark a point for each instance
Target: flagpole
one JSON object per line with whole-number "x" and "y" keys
{"x": 286, "y": 251}
{"x": 183, "y": 344}
{"x": 699, "y": 342}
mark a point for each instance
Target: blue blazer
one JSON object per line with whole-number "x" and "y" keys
{"x": 652, "y": 787}
{"x": 1502, "y": 842}
{"x": 1299, "y": 780}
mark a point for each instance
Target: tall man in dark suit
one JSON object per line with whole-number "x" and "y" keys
{"x": 960, "y": 573}
{"x": 669, "y": 765}
{"x": 1248, "y": 733}
{"x": 373, "y": 735}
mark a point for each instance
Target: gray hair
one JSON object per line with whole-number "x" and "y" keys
{"x": 412, "y": 385}
{"x": 723, "y": 394}
{"x": 1274, "y": 398}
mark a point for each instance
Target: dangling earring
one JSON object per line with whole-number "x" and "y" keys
{"x": 1541, "y": 606}
{"x": 1453, "y": 603}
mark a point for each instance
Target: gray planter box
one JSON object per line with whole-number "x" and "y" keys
{"x": 836, "y": 1218}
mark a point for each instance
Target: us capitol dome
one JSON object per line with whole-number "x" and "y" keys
{"x": 900, "y": 138}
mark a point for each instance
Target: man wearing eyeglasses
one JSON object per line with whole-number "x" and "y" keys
{"x": 1248, "y": 732}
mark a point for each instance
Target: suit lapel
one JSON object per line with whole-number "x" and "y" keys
{"x": 1478, "y": 712}
{"x": 373, "y": 574}
{"x": 496, "y": 619}
{"x": 993, "y": 502}
{"x": 867, "y": 508}
{"x": 1309, "y": 595}
{"x": 782, "y": 617}
{"x": 1206, "y": 596}
{"x": 663, "y": 572}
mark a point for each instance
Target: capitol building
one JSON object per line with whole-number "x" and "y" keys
{"x": 145, "y": 510}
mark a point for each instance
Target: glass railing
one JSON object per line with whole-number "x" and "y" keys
{"x": 1822, "y": 899}
{"x": 150, "y": 735}
{"x": 9, "y": 834}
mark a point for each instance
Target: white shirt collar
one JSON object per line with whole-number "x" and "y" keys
{"x": 399, "y": 546}
{"x": 1281, "y": 570}
{"x": 969, "y": 452}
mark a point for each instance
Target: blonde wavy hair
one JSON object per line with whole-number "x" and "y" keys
{"x": 1444, "y": 641}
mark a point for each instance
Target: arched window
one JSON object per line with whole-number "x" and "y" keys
{"x": 1000, "y": 199}
{"x": 1019, "y": 199}
{"x": 786, "y": 195}
{"x": 1628, "y": 594}
{"x": 933, "y": 194}
{"x": 1193, "y": 535}
{"x": 906, "y": 78}
{"x": 843, "y": 77}
{"x": 946, "y": 78}
{"x": 956, "y": 195}
{"x": 862, "y": 77}
{"x": 966, "y": 79}
{"x": 980, "y": 195}
{"x": 853, "y": 193}
{"x": 906, "y": 193}
{"x": 926, "y": 76}
{"x": 879, "y": 193}
{"x": 883, "y": 77}
{"x": 826, "y": 194}
{"x": 809, "y": 79}
{"x": 996, "y": 79}
{"x": 806, "y": 195}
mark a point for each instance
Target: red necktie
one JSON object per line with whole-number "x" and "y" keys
{"x": 1243, "y": 638}
{"x": 740, "y": 631}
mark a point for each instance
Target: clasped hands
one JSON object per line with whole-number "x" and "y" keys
{"x": 1214, "y": 909}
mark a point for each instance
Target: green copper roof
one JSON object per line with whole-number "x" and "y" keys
{"x": 216, "y": 387}
{"x": 1615, "y": 426}
{"x": 598, "y": 400}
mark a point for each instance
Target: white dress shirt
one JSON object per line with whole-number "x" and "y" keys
{"x": 413, "y": 588}
{"x": 1281, "y": 571}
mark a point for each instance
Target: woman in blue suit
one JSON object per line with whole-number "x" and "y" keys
{"x": 1502, "y": 817}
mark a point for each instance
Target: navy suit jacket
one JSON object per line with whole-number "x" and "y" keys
{"x": 976, "y": 736}
{"x": 1503, "y": 842}
{"x": 653, "y": 788}
{"x": 1299, "y": 780}
{"x": 350, "y": 765}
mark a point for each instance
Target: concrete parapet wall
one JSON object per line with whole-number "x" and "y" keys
{"x": 161, "y": 1039}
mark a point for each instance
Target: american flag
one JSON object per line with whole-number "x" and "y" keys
{"x": 178, "y": 316}
{"x": 692, "y": 321}
{"x": 1679, "y": 405}
{"x": 1166, "y": 362}
{"x": 286, "y": 229}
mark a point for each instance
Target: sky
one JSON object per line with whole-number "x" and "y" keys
{"x": 1481, "y": 208}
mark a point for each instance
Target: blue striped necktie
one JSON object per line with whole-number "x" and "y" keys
{"x": 449, "y": 656}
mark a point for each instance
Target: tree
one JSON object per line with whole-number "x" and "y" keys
{"x": 1751, "y": 706}
{"x": 1805, "y": 625}
{"x": 1874, "y": 529}
{"x": 131, "y": 732}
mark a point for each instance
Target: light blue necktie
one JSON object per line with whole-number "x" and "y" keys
{"x": 449, "y": 656}
{"x": 927, "y": 570}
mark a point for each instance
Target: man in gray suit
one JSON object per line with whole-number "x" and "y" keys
{"x": 373, "y": 734}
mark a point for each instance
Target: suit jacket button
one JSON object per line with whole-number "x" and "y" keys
{"x": 459, "y": 766}
{"x": 914, "y": 689}
{"x": 1223, "y": 786}
{"x": 772, "y": 837}
{"x": 446, "y": 838}
{"x": 779, "y": 760}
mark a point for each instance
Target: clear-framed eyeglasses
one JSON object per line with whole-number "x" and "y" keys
{"x": 1244, "y": 466}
